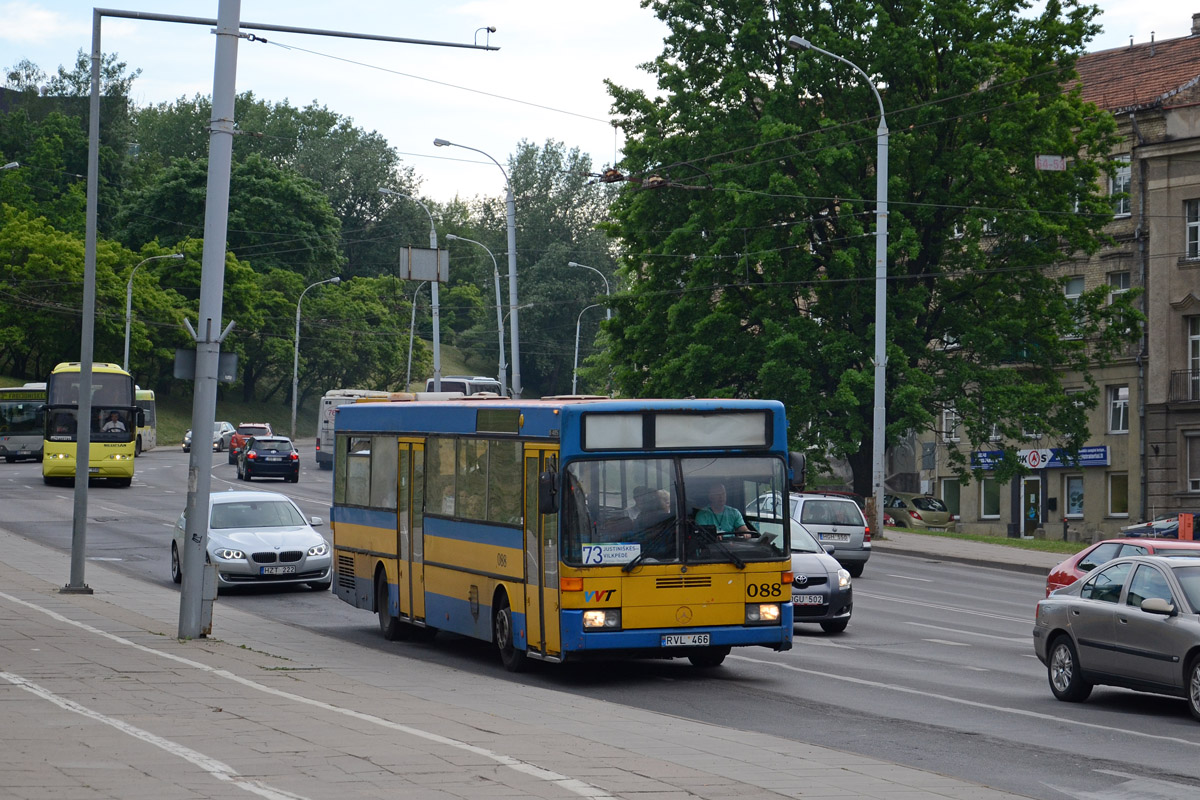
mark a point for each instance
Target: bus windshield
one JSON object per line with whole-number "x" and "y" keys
{"x": 671, "y": 510}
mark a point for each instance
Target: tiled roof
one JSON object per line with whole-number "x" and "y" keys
{"x": 1140, "y": 75}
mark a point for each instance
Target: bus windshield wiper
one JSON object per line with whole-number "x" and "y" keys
{"x": 715, "y": 539}
{"x": 651, "y": 535}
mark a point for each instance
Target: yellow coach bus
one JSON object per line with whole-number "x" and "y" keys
{"x": 567, "y": 528}
{"x": 111, "y": 428}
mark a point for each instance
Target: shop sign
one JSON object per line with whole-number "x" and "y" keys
{"x": 1046, "y": 458}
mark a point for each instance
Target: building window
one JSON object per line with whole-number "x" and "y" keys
{"x": 949, "y": 424}
{"x": 1118, "y": 184}
{"x": 1119, "y": 281}
{"x": 1073, "y": 496}
{"x": 950, "y": 494}
{"x": 1193, "y": 463}
{"x": 1192, "y": 216}
{"x": 1073, "y": 290}
{"x": 1118, "y": 494}
{"x": 1193, "y": 349}
{"x": 989, "y": 499}
{"x": 1118, "y": 409}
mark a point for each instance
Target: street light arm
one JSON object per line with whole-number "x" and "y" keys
{"x": 129, "y": 294}
{"x": 432, "y": 229}
{"x": 445, "y": 143}
{"x": 800, "y": 43}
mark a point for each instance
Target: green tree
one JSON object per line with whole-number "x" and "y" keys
{"x": 749, "y": 217}
{"x": 276, "y": 218}
{"x": 559, "y": 210}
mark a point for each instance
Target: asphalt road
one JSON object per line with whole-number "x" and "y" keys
{"x": 935, "y": 671}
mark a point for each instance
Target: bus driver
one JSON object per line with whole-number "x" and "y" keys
{"x": 724, "y": 518}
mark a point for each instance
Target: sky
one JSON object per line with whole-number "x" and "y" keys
{"x": 546, "y": 81}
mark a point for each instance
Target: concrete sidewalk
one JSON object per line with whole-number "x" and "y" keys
{"x": 98, "y": 699}
{"x": 946, "y": 548}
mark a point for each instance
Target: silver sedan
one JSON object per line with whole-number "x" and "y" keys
{"x": 1133, "y": 622}
{"x": 257, "y": 538}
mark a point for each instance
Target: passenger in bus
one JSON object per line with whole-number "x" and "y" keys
{"x": 726, "y": 519}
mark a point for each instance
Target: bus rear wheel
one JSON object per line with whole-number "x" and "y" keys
{"x": 504, "y": 634}
{"x": 137, "y": 447}
{"x": 389, "y": 626}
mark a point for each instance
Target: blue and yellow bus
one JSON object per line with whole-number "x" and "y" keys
{"x": 112, "y": 426}
{"x": 566, "y": 528}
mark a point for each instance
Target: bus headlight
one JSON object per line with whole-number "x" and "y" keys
{"x": 762, "y": 613}
{"x": 602, "y": 619}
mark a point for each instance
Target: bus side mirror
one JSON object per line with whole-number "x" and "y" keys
{"x": 141, "y": 417}
{"x": 548, "y": 493}
{"x": 798, "y": 466}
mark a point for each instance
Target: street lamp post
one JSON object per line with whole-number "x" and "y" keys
{"x": 881, "y": 219}
{"x": 607, "y": 293}
{"x": 511, "y": 207}
{"x": 11, "y": 165}
{"x": 575, "y": 367}
{"x": 296, "y": 354}
{"x": 499, "y": 319}
{"x": 412, "y": 323}
{"x": 129, "y": 302}
{"x": 433, "y": 291}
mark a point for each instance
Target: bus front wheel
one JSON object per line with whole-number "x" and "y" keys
{"x": 709, "y": 657}
{"x": 504, "y": 634}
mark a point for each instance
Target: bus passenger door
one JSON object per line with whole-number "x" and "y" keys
{"x": 410, "y": 509}
{"x": 541, "y": 559}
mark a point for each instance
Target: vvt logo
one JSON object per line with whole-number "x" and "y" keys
{"x": 598, "y": 595}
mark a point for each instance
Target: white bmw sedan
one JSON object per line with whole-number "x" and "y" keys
{"x": 259, "y": 538}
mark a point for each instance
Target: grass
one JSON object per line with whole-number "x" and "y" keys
{"x": 1042, "y": 545}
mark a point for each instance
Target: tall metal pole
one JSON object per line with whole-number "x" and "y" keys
{"x": 499, "y": 321}
{"x": 881, "y": 219}
{"x": 296, "y": 352}
{"x": 510, "y": 206}
{"x": 129, "y": 302}
{"x": 575, "y": 366}
{"x": 83, "y": 426}
{"x": 208, "y": 334}
{"x": 412, "y": 324}
{"x": 433, "y": 291}
{"x": 607, "y": 293}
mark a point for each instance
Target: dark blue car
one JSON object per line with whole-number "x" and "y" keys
{"x": 268, "y": 457}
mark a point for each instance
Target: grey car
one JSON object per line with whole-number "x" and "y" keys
{"x": 835, "y": 520}
{"x": 821, "y": 590}
{"x": 1133, "y": 622}
{"x": 257, "y": 538}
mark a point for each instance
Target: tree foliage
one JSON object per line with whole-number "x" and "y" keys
{"x": 750, "y": 216}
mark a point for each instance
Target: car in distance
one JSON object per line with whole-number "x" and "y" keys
{"x": 268, "y": 457}
{"x": 821, "y": 590}
{"x": 1133, "y": 622}
{"x": 832, "y": 519}
{"x": 244, "y": 431}
{"x": 222, "y": 433}
{"x": 919, "y": 511}
{"x": 1083, "y": 562}
{"x": 256, "y": 538}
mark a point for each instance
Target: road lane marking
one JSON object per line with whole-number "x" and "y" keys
{"x": 925, "y": 604}
{"x": 567, "y": 783}
{"x": 947, "y": 642}
{"x": 1019, "y": 712}
{"x": 212, "y": 766}
{"x": 909, "y": 578}
{"x": 1021, "y": 641}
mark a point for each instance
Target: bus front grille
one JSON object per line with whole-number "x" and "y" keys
{"x": 683, "y": 582}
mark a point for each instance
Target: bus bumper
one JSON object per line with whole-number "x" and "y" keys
{"x": 62, "y": 465}
{"x": 649, "y": 641}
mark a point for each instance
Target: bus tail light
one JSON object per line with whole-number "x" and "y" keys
{"x": 570, "y": 584}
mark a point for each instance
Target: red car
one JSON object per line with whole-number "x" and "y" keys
{"x": 1106, "y": 550}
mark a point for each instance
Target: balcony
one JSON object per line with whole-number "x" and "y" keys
{"x": 1185, "y": 386}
